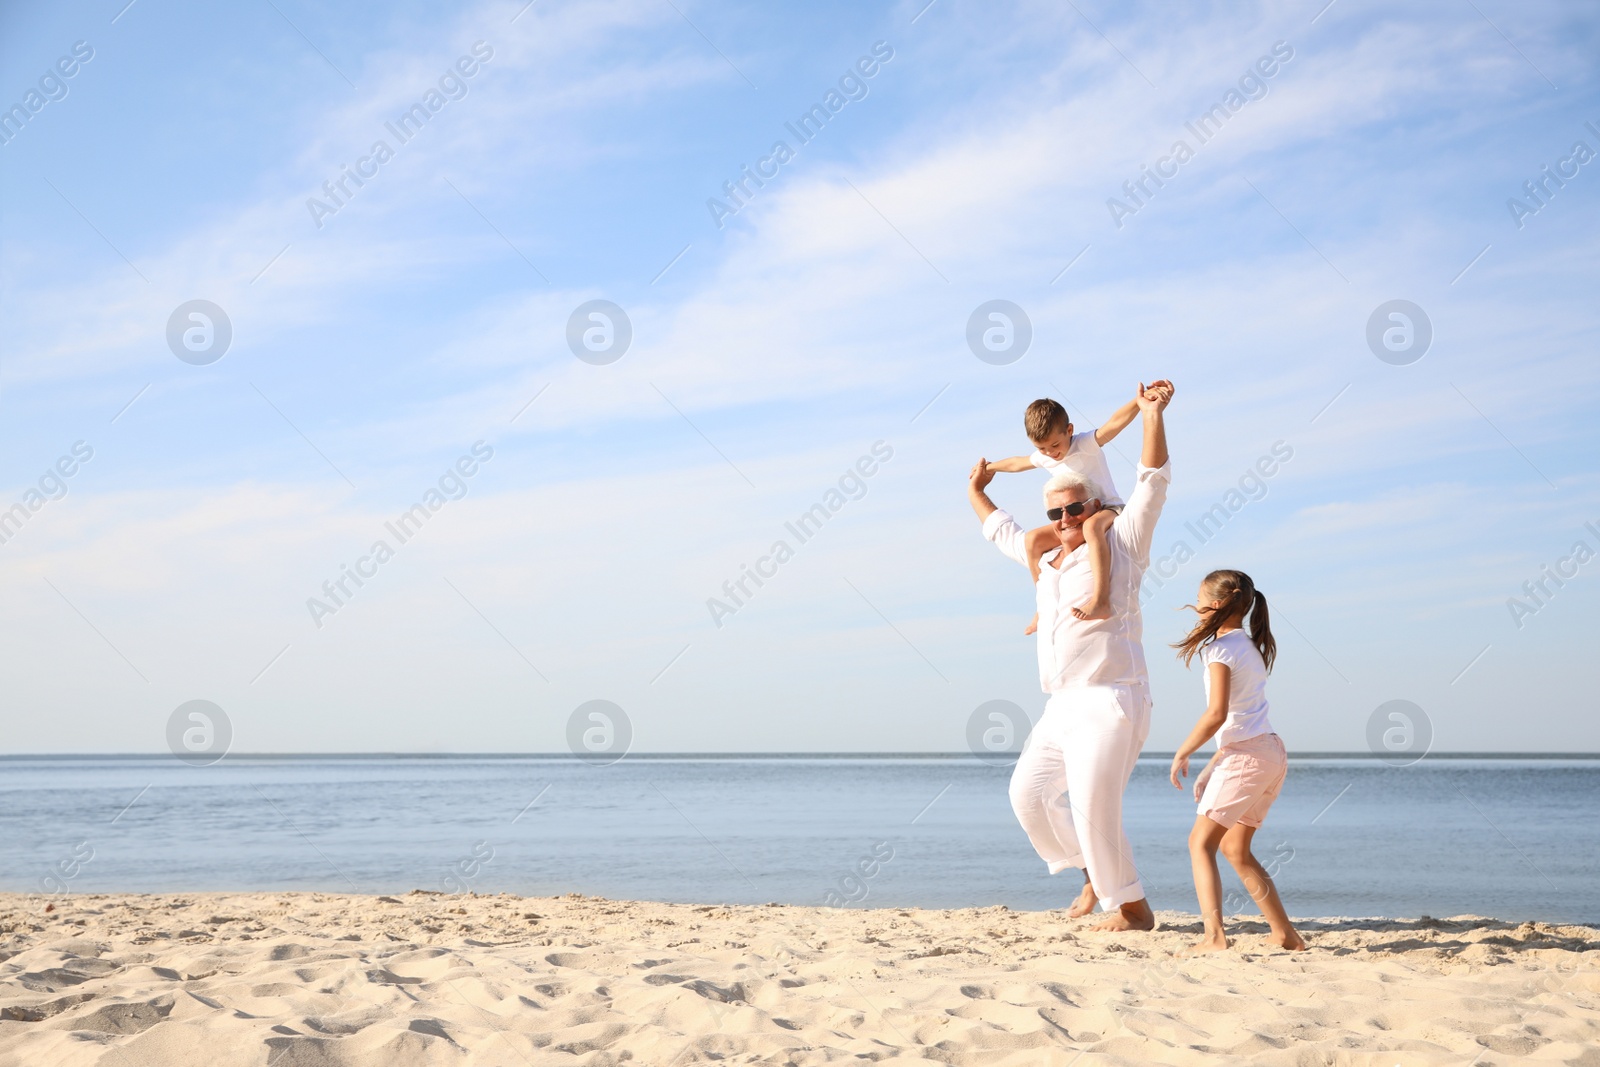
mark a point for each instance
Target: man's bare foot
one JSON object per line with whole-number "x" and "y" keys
{"x": 1084, "y": 904}
{"x": 1033, "y": 627}
{"x": 1291, "y": 941}
{"x": 1093, "y": 609}
{"x": 1217, "y": 942}
{"x": 1132, "y": 916}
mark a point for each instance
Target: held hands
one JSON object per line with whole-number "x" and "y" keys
{"x": 1155, "y": 396}
{"x": 982, "y": 474}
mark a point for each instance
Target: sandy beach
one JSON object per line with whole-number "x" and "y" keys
{"x": 301, "y": 980}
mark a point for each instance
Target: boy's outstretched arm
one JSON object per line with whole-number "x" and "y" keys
{"x": 1118, "y": 422}
{"x": 1122, "y": 417}
{"x": 1014, "y": 465}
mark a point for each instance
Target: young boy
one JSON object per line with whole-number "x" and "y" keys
{"x": 1057, "y": 446}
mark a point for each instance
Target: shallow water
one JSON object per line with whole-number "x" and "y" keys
{"x": 1507, "y": 838}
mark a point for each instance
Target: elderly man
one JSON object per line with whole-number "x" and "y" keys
{"x": 1098, "y": 714}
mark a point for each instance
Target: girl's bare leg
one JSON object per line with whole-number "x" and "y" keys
{"x": 1203, "y": 842}
{"x": 1097, "y": 534}
{"x": 1236, "y": 846}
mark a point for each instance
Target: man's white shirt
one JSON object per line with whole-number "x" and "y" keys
{"x": 1100, "y": 652}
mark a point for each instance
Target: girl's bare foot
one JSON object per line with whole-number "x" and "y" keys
{"x": 1093, "y": 609}
{"x": 1033, "y": 627}
{"x": 1217, "y": 942}
{"x": 1084, "y": 904}
{"x": 1291, "y": 941}
{"x": 1133, "y": 916}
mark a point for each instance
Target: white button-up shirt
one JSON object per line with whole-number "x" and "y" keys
{"x": 1110, "y": 651}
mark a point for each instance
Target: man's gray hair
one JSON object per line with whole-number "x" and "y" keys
{"x": 1068, "y": 479}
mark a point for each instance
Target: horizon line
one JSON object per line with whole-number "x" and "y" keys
{"x": 547, "y": 756}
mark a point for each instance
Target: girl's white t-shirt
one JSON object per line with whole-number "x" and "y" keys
{"x": 1086, "y": 457}
{"x": 1247, "y": 686}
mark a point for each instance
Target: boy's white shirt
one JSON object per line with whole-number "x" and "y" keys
{"x": 1085, "y": 457}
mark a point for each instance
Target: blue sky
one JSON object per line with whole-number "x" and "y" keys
{"x": 769, "y": 354}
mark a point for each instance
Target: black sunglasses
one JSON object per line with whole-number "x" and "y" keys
{"x": 1054, "y": 514}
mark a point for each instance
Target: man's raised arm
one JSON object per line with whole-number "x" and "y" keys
{"x": 1152, "y": 402}
{"x": 998, "y": 527}
{"x": 977, "y": 482}
{"x": 1136, "y": 525}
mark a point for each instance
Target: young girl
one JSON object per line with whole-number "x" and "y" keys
{"x": 1244, "y": 777}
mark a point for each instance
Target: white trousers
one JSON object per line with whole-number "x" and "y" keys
{"x": 1067, "y": 786}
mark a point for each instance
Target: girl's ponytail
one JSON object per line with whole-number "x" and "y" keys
{"x": 1261, "y": 630}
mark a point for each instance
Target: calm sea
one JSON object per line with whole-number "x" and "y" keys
{"x": 1517, "y": 839}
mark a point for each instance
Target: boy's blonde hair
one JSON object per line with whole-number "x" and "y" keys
{"x": 1043, "y": 418}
